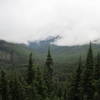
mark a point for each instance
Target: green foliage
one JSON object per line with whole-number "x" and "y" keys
{"x": 15, "y": 90}
{"x": 75, "y": 88}
{"x": 97, "y": 67}
{"x": 3, "y": 86}
{"x": 36, "y": 82}
{"x": 30, "y": 71}
{"x": 88, "y": 76}
{"x": 48, "y": 73}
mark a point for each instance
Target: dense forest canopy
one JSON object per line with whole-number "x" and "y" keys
{"x": 43, "y": 82}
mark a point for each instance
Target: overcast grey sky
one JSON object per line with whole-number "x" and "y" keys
{"x": 76, "y": 21}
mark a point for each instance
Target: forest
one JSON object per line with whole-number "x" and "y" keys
{"x": 44, "y": 83}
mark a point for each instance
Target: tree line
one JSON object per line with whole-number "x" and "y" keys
{"x": 37, "y": 84}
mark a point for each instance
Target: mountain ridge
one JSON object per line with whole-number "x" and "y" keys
{"x": 62, "y": 55}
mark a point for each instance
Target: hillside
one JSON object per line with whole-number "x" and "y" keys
{"x": 62, "y": 55}
{"x": 13, "y": 53}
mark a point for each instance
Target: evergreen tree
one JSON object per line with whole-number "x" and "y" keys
{"x": 15, "y": 90}
{"x": 88, "y": 76}
{"x": 31, "y": 92}
{"x": 97, "y": 68}
{"x": 90, "y": 62}
{"x": 97, "y": 90}
{"x": 30, "y": 72}
{"x": 41, "y": 89}
{"x": 48, "y": 73}
{"x": 76, "y": 84}
{"x": 4, "y": 86}
{"x": 97, "y": 78}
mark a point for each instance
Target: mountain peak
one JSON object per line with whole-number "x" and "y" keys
{"x": 45, "y": 42}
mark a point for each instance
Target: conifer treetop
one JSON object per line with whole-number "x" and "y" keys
{"x": 49, "y": 60}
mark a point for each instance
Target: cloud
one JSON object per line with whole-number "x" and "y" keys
{"x": 76, "y": 21}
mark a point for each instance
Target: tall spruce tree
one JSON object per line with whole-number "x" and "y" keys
{"x": 40, "y": 86}
{"x": 48, "y": 73}
{"x": 97, "y": 78}
{"x": 30, "y": 72}
{"x": 75, "y": 92}
{"x": 4, "y": 86}
{"x": 88, "y": 76}
{"x": 97, "y": 68}
{"x": 90, "y": 61}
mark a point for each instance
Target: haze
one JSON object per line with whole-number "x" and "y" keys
{"x": 76, "y": 21}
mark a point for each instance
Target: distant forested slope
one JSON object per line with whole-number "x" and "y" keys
{"x": 62, "y": 55}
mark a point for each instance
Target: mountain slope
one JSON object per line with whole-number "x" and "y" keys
{"x": 63, "y": 56}
{"x": 62, "y": 51}
{"x": 11, "y": 51}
